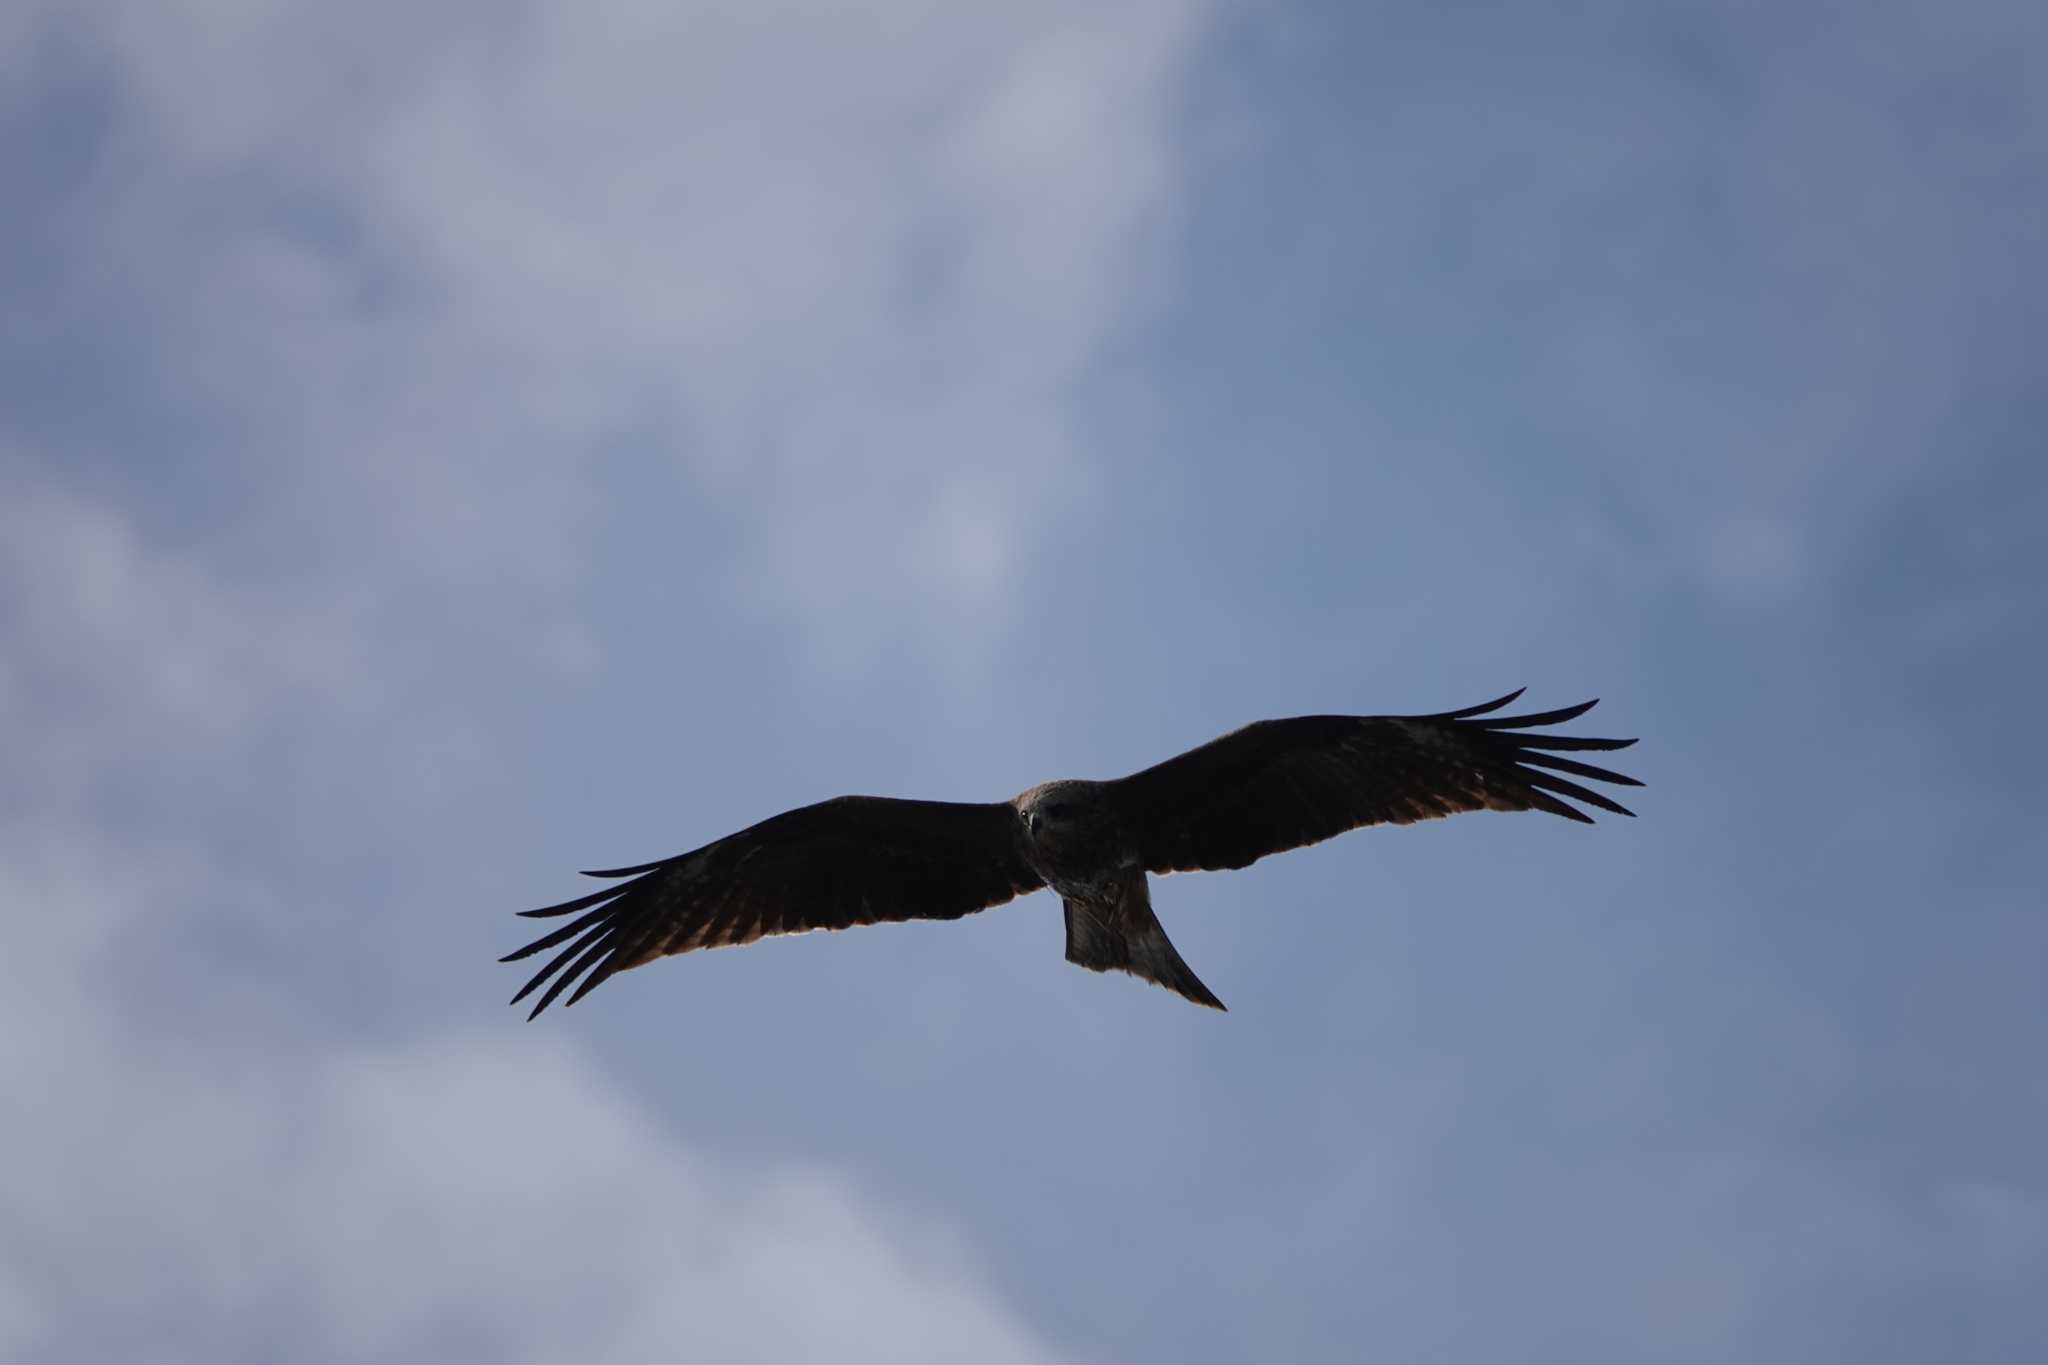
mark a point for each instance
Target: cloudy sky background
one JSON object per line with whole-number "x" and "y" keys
{"x": 444, "y": 447}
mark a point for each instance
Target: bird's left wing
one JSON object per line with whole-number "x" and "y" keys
{"x": 1280, "y": 784}
{"x": 851, "y": 860}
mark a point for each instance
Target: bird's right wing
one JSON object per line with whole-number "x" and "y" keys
{"x": 852, "y": 860}
{"x": 1281, "y": 784}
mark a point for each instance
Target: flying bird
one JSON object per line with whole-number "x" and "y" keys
{"x": 1272, "y": 786}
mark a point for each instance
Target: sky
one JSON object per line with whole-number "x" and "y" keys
{"x": 443, "y": 447}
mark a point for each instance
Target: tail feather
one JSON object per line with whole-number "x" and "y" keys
{"x": 1127, "y": 937}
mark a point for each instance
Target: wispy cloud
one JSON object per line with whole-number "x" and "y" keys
{"x": 844, "y": 270}
{"x": 383, "y": 322}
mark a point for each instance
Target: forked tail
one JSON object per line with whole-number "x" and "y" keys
{"x": 1127, "y": 937}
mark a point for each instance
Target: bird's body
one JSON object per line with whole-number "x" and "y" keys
{"x": 1271, "y": 786}
{"x": 1072, "y": 836}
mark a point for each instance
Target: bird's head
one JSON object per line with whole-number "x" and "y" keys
{"x": 1052, "y": 809}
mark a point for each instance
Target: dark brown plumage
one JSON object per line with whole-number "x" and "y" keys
{"x": 1269, "y": 787}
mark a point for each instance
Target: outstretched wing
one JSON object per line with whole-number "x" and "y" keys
{"x": 851, "y": 860}
{"x": 1281, "y": 784}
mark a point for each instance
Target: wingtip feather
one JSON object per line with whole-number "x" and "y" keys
{"x": 570, "y": 907}
{"x": 1482, "y": 708}
{"x": 590, "y": 983}
{"x": 1557, "y": 717}
{"x": 1543, "y": 801}
{"x": 594, "y": 947}
{"x": 1563, "y": 787}
{"x": 612, "y": 873}
{"x": 1538, "y": 759}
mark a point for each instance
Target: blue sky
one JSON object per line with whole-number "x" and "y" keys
{"x": 444, "y": 448}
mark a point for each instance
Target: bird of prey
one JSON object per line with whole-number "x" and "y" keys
{"x": 1269, "y": 787}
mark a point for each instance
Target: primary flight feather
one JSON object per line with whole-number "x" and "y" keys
{"x": 1269, "y": 787}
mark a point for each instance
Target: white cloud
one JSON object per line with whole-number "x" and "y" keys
{"x": 835, "y": 266}
{"x": 401, "y": 292}
{"x": 133, "y": 654}
{"x": 482, "y": 1199}
{"x": 393, "y": 288}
